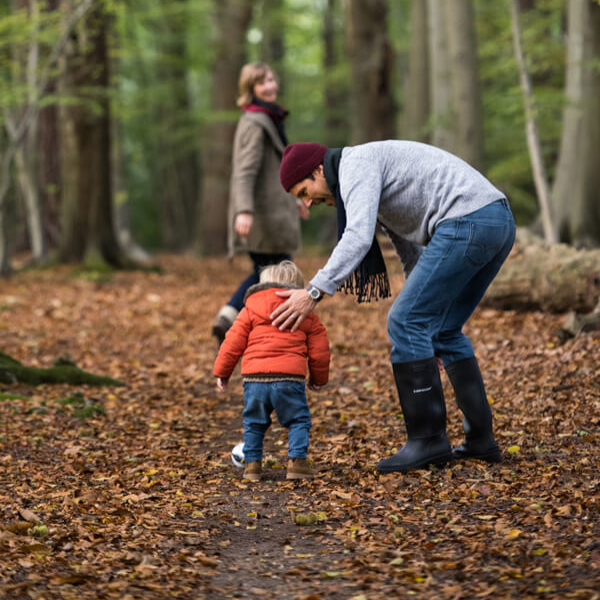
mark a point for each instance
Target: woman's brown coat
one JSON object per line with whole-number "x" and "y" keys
{"x": 255, "y": 188}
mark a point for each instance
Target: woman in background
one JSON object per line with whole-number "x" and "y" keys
{"x": 263, "y": 218}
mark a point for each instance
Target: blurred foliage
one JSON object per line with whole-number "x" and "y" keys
{"x": 160, "y": 48}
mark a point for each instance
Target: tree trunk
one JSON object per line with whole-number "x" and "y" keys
{"x": 178, "y": 165}
{"x": 49, "y": 173}
{"x": 416, "y": 89}
{"x": 231, "y": 18}
{"x": 49, "y": 163}
{"x": 87, "y": 211}
{"x": 441, "y": 96}
{"x": 576, "y": 190}
{"x": 533, "y": 140}
{"x": 25, "y": 152}
{"x": 551, "y": 278}
{"x": 371, "y": 62}
{"x": 336, "y": 90}
{"x": 273, "y": 43}
{"x": 464, "y": 86}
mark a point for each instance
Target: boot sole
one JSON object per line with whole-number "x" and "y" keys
{"x": 252, "y": 477}
{"x": 438, "y": 461}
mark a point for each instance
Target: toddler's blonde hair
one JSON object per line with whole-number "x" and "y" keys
{"x": 284, "y": 272}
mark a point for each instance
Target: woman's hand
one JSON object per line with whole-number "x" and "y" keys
{"x": 243, "y": 224}
{"x": 291, "y": 313}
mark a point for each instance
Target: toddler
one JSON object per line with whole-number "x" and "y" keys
{"x": 274, "y": 369}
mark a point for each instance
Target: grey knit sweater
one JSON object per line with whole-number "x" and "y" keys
{"x": 409, "y": 188}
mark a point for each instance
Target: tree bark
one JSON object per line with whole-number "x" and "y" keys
{"x": 464, "y": 82}
{"x": 231, "y": 19}
{"x": 371, "y": 63}
{"x": 575, "y": 194}
{"x": 416, "y": 90}
{"x": 87, "y": 211}
{"x": 442, "y": 134}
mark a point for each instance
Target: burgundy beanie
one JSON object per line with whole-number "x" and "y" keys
{"x": 299, "y": 161}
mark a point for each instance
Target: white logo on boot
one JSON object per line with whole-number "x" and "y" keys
{"x": 421, "y": 390}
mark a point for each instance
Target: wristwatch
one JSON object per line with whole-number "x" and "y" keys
{"x": 314, "y": 293}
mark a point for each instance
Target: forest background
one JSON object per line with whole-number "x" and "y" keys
{"x": 122, "y": 112}
{"x": 116, "y": 122}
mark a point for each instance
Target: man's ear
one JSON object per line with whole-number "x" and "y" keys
{"x": 318, "y": 170}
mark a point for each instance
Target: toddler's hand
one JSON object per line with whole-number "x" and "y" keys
{"x": 314, "y": 387}
{"x": 222, "y": 383}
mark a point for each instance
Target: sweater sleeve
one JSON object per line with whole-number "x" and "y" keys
{"x": 232, "y": 348}
{"x": 360, "y": 189}
{"x": 318, "y": 353}
{"x": 248, "y": 161}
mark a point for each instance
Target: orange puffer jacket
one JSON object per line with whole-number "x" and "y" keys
{"x": 269, "y": 351}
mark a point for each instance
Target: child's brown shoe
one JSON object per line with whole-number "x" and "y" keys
{"x": 300, "y": 468}
{"x": 253, "y": 470}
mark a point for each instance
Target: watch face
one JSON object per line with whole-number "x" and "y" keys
{"x": 314, "y": 293}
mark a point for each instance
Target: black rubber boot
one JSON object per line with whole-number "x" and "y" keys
{"x": 471, "y": 398}
{"x": 422, "y": 400}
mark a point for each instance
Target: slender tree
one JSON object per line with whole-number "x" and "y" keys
{"x": 26, "y": 152}
{"x": 533, "y": 141}
{"x": 371, "y": 64}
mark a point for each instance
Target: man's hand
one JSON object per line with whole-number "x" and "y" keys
{"x": 291, "y": 313}
{"x": 243, "y": 224}
{"x": 222, "y": 383}
{"x": 314, "y": 387}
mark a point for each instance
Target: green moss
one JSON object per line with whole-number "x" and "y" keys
{"x": 10, "y": 396}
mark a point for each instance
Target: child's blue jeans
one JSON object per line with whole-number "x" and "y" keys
{"x": 447, "y": 283}
{"x": 288, "y": 400}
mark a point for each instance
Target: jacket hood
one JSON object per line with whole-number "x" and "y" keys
{"x": 262, "y": 300}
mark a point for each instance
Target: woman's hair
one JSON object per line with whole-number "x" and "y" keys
{"x": 284, "y": 272}
{"x": 250, "y": 75}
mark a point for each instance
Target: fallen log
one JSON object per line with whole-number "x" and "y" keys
{"x": 551, "y": 278}
{"x": 63, "y": 371}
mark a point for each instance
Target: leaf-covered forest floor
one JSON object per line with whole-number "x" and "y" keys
{"x": 138, "y": 498}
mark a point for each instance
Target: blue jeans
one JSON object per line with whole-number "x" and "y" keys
{"x": 259, "y": 261}
{"x": 447, "y": 283}
{"x": 288, "y": 400}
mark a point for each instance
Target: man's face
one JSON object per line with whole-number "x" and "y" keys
{"x": 313, "y": 191}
